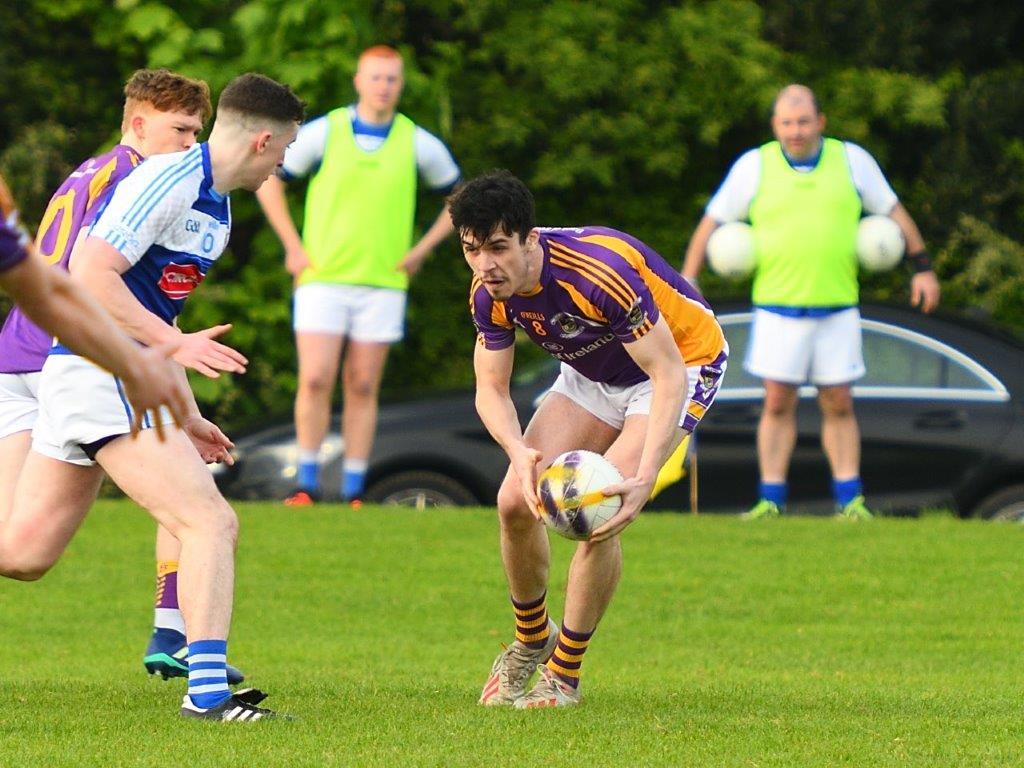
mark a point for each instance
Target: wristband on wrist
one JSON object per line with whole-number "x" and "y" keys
{"x": 919, "y": 262}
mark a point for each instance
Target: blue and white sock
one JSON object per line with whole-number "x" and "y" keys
{"x": 775, "y": 492}
{"x": 845, "y": 491}
{"x": 309, "y": 470}
{"x": 207, "y": 673}
{"x": 353, "y": 478}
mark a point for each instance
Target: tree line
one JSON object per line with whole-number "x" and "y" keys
{"x": 619, "y": 112}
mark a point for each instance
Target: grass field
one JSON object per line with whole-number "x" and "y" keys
{"x": 800, "y": 642}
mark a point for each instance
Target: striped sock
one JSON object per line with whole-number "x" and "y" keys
{"x": 167, "y": 615}
{"x": 532, "y": 622}
{"x": 568, "y": 656}
{"x": 207, "y": 673}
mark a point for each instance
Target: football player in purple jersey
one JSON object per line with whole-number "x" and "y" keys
{"x": 642, "y": 359}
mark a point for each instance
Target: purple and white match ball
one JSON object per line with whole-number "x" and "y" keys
{"x": 571, "y": 502}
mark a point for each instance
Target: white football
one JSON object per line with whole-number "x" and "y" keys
{"x": 570, "y": 495}
{"x": 731, "y": 250}
{"x": 880, "y": 243}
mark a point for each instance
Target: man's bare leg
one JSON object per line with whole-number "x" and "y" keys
{"x": 51, "y": 499}
{"x": 319, "y": 355}
{"x": 559, "y": 425}
{"x": 14, "y": 449}
{"x": 187, "y": 503}
{"x": 362, "y": 370}
{"x": 593, "y": 578}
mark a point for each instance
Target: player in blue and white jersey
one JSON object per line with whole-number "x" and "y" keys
{"x": 162, "y": 230}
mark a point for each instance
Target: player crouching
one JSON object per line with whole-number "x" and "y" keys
{"x": 642, "y": 359}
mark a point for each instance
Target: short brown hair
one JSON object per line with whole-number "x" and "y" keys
{"x": 256, "y": 95}
{"x": 168, "y": 92}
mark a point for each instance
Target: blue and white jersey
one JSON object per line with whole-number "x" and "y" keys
{"x": 166, "y": 219}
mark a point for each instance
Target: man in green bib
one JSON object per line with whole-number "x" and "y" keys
{"x": 804, "y": 195}
{"x": 355, "y": 255}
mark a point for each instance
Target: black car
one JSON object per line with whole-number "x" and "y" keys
{"x": 941, "y": 413}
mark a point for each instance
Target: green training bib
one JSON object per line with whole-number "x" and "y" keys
{"x": 805, "y": 231}
{"x": 361, "y": 206}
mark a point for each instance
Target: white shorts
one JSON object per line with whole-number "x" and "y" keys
{"x": 19, "y": 402}
{"x": 360, "y": 312}
{"x": 823, "y": 350}
{"x": 80, "y": 404}
{"x": 613, "y": 404}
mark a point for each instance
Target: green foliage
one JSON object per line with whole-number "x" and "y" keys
{"x": 619, "y": 112}
{"x": 984, "y": 272}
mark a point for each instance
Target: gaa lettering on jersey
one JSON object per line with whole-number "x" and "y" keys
{"x": 191, "y": 225}
{"x": 177, "y": 281}
{"x": 551, "y": 346}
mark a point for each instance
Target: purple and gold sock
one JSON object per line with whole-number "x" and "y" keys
{"x": 167, "y": 615}
{"x": 532, "y": 622}
{"x": 568, "y": 656}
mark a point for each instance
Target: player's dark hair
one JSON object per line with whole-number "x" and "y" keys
{"x": 168, "y": 92}
{"x": 254, "y": 95}
{"x": 492, "y": 201}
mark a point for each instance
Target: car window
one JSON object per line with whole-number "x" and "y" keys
{"x": 899, "y": 361}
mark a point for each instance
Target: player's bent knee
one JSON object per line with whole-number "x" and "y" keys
{"x": 217, "y": 521}
{"x": 512, "y": 507}
{"x": 25, "y": 569}
{"x": 225, "y": 525}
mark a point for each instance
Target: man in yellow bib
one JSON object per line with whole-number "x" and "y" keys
{"x": 804, "y": 195}
{"x": 354, "y": 258}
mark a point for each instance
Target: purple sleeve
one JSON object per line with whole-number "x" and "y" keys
{"x": 494, "y": 331}
{"x": 100, "y": 196}
{"x": 11, "y": 251}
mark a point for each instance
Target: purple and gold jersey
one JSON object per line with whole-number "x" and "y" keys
{"x": 600, "y": 289}
{"x": 12, "y": 252}
{"x": 76, "y": 204}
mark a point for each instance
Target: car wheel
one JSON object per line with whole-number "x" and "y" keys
{"x": 1007, "y": 504}
{"x": 420, "y": 489}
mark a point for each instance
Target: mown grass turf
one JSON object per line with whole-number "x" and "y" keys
{"x": 788, "y": 643}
